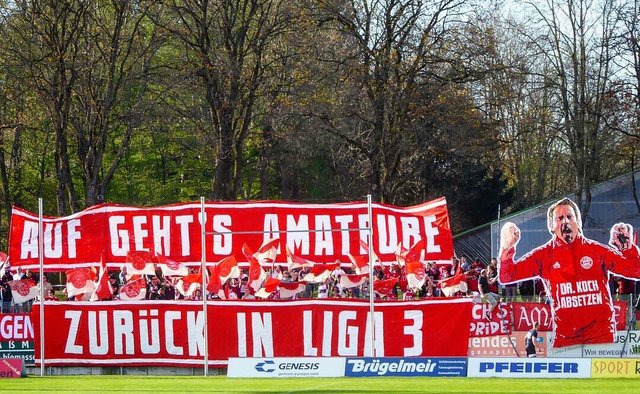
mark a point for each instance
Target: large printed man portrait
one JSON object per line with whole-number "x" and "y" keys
{"x": 575, "y": 272}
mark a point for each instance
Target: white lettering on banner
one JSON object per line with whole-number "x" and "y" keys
{"x": 324, "y": 236}
{"x": 121, "y": 236}
{"x": 410, "y": 230}
{"x": 140, "y": 232}
{"x": 349, "y": 335}
{"x": 73, "y": 236}
{"x": 161, "y": 234}
{"x": 169, "y": 318}
{"x": 184, "y": 221}
{"x": 222, "y": 243}
{"x": 15, "y": 327}
{"x": 344, "y": 221}
{"x": 141, "y": 334}
{"x": 70, "y": 347}
{"x": 298, "y": 239}
{"x": 415, "y": 330}
{"x": 480, "y": 327}
{"x": 431, "y": 233}
{"x": 262, "y": 331}
{"x": 98, "y": 344}
{"x": 53, "y": 239}
{"x": 388, "y": 234}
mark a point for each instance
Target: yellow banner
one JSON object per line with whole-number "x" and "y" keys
{"x": 615, "y": 368}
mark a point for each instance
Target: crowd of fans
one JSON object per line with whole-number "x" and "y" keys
{"x": 160, "y": 287}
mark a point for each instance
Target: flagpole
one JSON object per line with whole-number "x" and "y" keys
{"x": 41, "y": 273}
{"x": 498, "y": 236}
{"x": 203, "y": 271}
{"x": 371, "y": 308}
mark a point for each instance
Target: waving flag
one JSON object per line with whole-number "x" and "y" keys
{"x": 349, "y": 281}
{"x": 454, "y": 284}
{"x": 384, "y": 287}
{"x": 320, "y": 272}
{"x": 220, "y": 273}
{"x": 256, "y": 273}
{"x": 268, "y": 251}
{"x": 360, "y": 263}
{"x": 290, "y": 289}
{"x": 134, "y": 290}
{"x": 414, "y": 253}
{"x": 140, "y": 263}
{"x": 80, "y": 281}
{"x": 23, "y": 290}
{"x": 170, "y": 267}
{"x": 187, "y": 285}
{"x": 415, "y": 274}
{"x": 270, "y": 285}
{"x": 295, "y": 262}
{"x": 103, "y": 290}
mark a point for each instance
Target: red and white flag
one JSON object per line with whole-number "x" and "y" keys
{"x": 270, "y": 285}
{"x": 170, "y": 267}
{"x": 290, "y": 289}
{"x": 320, "y": 272}
{"x": 80, "y": 281}
{"x": 220, "y": 273}
{"x": 187, "y": 285}
{"x": 103, "y": 290}
{"x": 134, "y": 290}
{"x": 454, "y": 284}
{"x": 350, "y": 281}
{"x": 268, "y": 251}
{"x": 414, "y": 253}
{"x": 360, "y": 264}
{"x": 23, "y": 290}
{"x": 384, "y": 287}
{"x": 416, "y": 275}
{"x": 296, "y": 262}
{"x": 140, "y": 263}
{"x": 256, "y": 273}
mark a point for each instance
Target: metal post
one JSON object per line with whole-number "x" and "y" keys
{"x": 203, "y": 271}
{"x": 41, "y": 273}
{"x": 371, "y": 296}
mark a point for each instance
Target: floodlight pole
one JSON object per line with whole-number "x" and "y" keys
{"x": 371, "y": 296}
{"x": 41, "y": 273}
{"x": 203, "y": 271}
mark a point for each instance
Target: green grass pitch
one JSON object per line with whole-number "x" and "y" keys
{"x": 221, "y": 384}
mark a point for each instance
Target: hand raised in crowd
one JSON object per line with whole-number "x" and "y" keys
{"x": 621, "y": 236}
{"x": 509, "y": 236}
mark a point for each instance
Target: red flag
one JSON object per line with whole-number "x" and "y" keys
{"x": 365, "y": 247}
{"x": 189, "y": 284}
{"x": 361, "y": 263}
{"x": 414, "y": 253}
{"x": 349, "y": 281}
{"x": 268, "y": 251}
{"x": 454, "y": 284}
{"x": 220, "y": 273}
{"x": 80, "y": 281}
{"x": 295, "y": 262}
{"x": 256, "y": 273}
{"x": 103, "y": 290}
{"x": 23, "y": 290}
{"x": 270, "y": 285}
{"x": 384, "y": 287}
{"x": 320, "y": 272}
{"x": 140, "y": 263}
{"x": 170, "y": 267}
{"x": 289, "y": 289}
{"x": 134, "y": 290}
{"x": 415, "y": 274}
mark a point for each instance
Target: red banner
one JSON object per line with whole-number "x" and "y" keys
{"x": 167, "y": 333}
{"x": 321, "y": 233}
{"x": 526, "y": 313}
